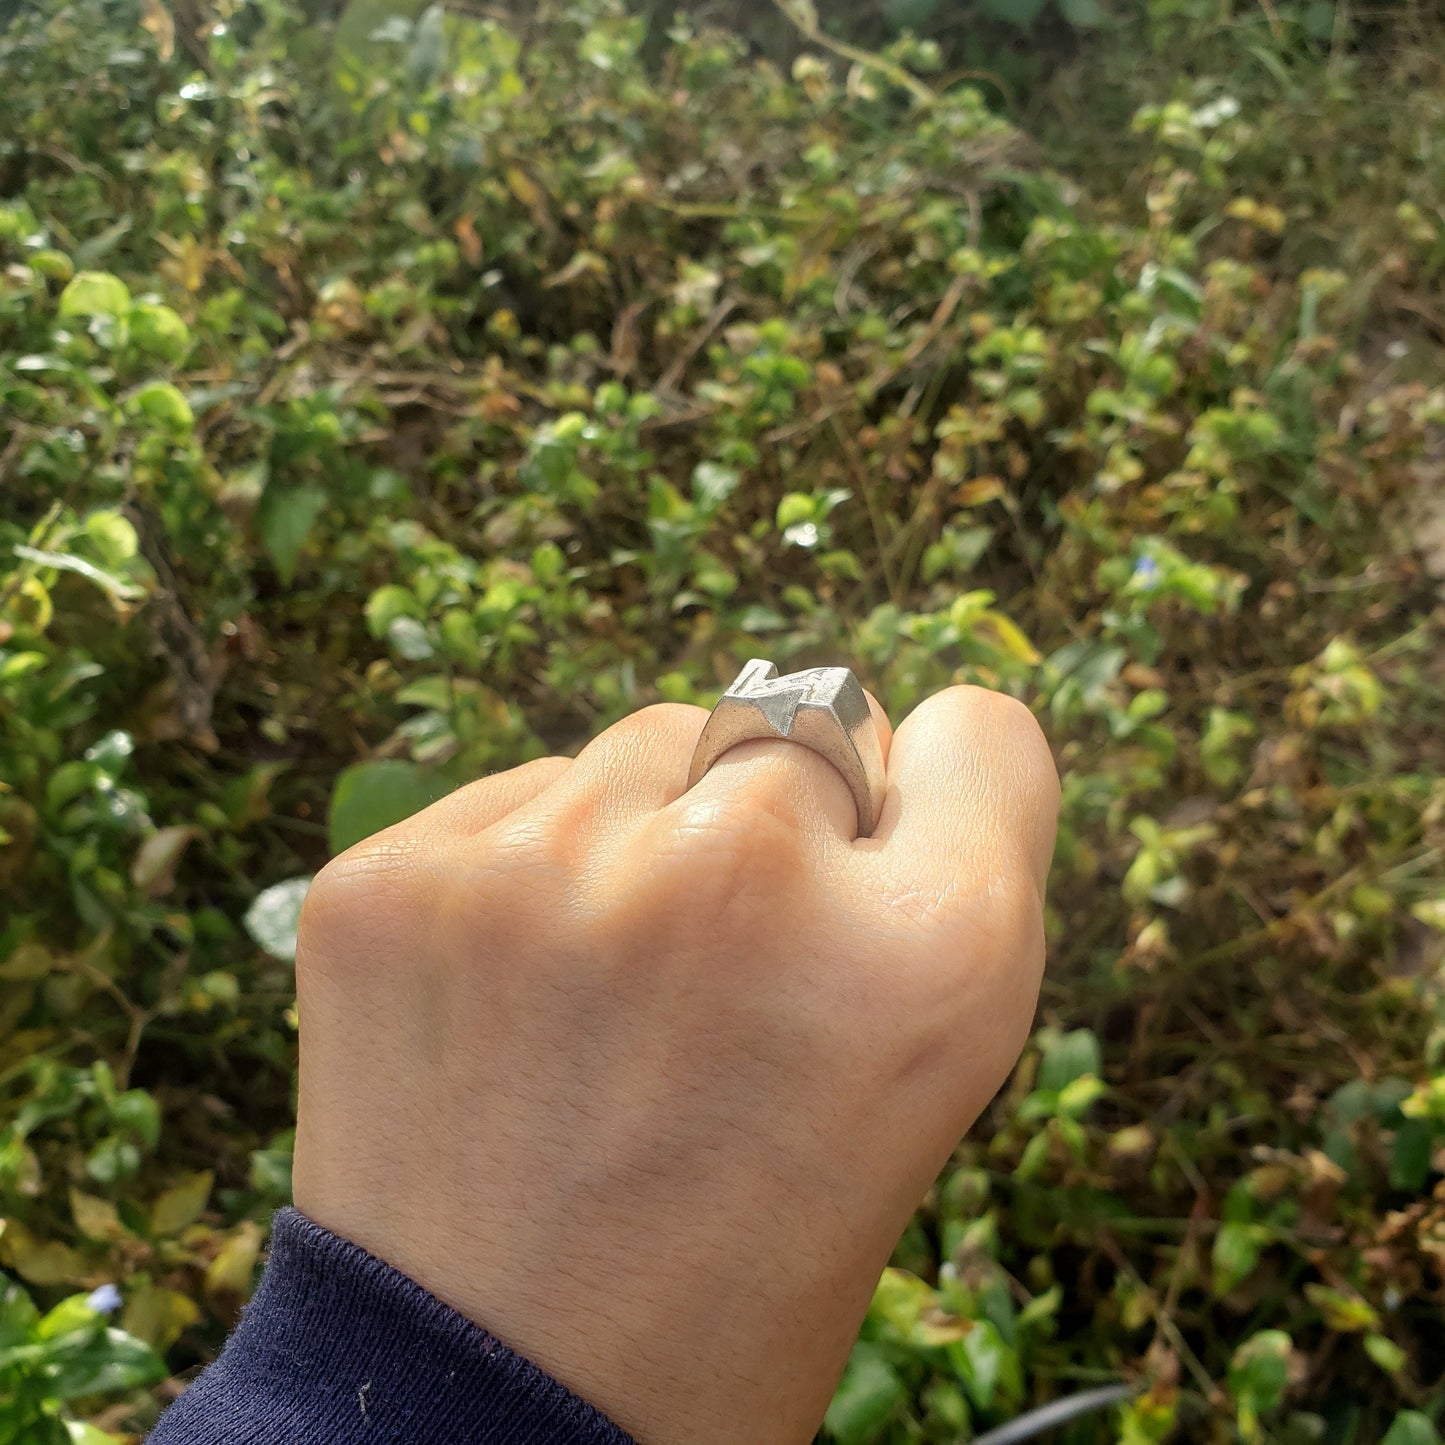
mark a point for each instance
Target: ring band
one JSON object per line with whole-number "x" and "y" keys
{"x": 823, "y": 708}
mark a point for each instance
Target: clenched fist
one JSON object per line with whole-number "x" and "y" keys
{"x": 648, "y": 1081}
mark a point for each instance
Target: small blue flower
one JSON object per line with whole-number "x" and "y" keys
{"x": 105, "y": 1300}
{"x": 1146, "y": 572}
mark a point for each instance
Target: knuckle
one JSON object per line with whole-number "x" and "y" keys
{"x": 976, "y": 951}
{"x": 1004, "y": 914}
{"x": 752, "y": 826}
{"x": 361, "y": 893}
{"x": 660, "y": 716}
{"x": 552, "y": 765}
{"x": 501, "y": 876}
{"x": 527, "y": 841}
{"x": 1020, "y": 917}
{"x": 657, "y": 720}
{"x": 733, "y": 860}
{"x": 998, "y": 915}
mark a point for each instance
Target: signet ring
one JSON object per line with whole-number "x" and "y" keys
{"x": 823, "y": 708}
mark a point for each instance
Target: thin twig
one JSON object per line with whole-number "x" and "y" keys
{"x": 667, "y": 383}
{"x": 1232, "y": 947}
{"x": 922, "y": 93}
{"x": 1163, "y": 1322}
{"x": 136, "y": 1016}
{"x": 864, "y": 485}
{"x": 880, "y": 378}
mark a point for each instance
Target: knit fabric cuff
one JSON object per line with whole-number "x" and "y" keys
{"x": 338, "y": 1348}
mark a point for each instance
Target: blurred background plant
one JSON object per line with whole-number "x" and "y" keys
{"x": 393, "y": 394}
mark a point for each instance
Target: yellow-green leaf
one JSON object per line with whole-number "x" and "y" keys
{"x": 1011, "y": 638}
{"x": 181, "y": 1204}
{"x": 95, "y": 293}
{"x": 528, "y": 192}
{"x": 95, "y": 1218}
{"x": 159, "y": 1315}
{"x": 40, "y": 1261}
{"x": 1342, "y": 1312}
{"x": 153, "y": 870}
{"x": 231, "y": 1270}
{"x": 83, "y": 1434}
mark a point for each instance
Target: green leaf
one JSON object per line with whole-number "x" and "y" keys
{"x": 1236, "y": 1251}
{"x": 137, "y": 1111}
{"x": 957, "y": 551}
{"x": 103, "y": 242}
{"x": 164, "y": 403}
{"x": 900, "y": 1298}
{"x": 18, "y": 1316}
{"x": 95, "y": 293}
{"x": 1411, "y": 1427}
{"x": 1085, "y": 14}
{"x": 794, "y": 508}
{"x": 428, "y": 48}
{"x": 1259, "y": 1371}
{"x": 112, "y": 1361}
{"x": 1080, "y": 1095}
{"x": 181, "y": 1204}
{"x": 712, "y": 484}
{"x": 72, "y": 1316}
{"x": 981, "y": 1358}
{"x": 112, "y": 1159}
{"x": 371, "y": 796}
{"x": 1068, "y": 1057}
{"x": 64, "y": 562}
{"x": 15, "y": 665}
{"x": 159, "y": 331}
{"x": 1431, "y": 912}
{"x": 410, "y": 639}
{"x": 388, "y": 603}
{"x": 113, "y": 536}
{"x": 270, "y": 1171}
{"x": 111, "y": 751}
{"x": 1319, "y": 19}
{"x": 1411, "y": 1154}
{"x": 231, "y": 1271}
{"x": 368, "y": 28}
{"x": 154, "y": 866}
{"x": 758, "y": 619}
{"x": 1384, "y": 1352}
{"x": 285, "y": 519}
{"x": 274, "y": 916}
{"x": 867, "y": 1399}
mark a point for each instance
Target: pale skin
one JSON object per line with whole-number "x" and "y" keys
{"x": 648, "y": 1082}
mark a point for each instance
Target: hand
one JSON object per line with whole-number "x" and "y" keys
{"x": 647, "y": 1082}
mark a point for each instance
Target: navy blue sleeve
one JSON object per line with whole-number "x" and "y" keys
{"x": 338, "y": 1347}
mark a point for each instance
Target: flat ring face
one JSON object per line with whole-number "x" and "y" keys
{"x": 822, "y": 708}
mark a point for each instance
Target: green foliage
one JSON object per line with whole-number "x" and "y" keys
{"x": 383, "y": 413}
{"x": 51, "y": 1362}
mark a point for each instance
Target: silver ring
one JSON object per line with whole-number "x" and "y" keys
{"x": 823, "y": 708}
